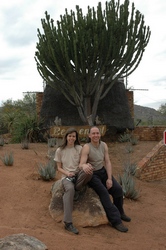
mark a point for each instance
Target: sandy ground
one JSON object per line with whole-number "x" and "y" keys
{"x": 24, "y": 201}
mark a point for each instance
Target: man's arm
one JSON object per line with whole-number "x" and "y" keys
{"x": 108, "y": 167}
{"x": 84, "y": 165}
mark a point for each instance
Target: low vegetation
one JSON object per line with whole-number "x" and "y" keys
{"x": 48, "y": 171}
{"x": 2, "y": 141}
{"x": 128, "y": 184}
{"x": 8, "y": 159}
{"x": 25, "y": 144}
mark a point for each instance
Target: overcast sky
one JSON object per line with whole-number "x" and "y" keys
{"x": 19, "y": 20}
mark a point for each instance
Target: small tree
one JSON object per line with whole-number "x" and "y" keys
{"x": 162, "y": 109}
{"x": 83, "y": 56}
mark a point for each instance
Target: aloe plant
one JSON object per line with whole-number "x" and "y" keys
{"x": 8, "y": 159}
{"x": 48, "y": 171}
{"x": 25, "y": 144}
{"x": 128, "y": 185}
{"x": 51, "y": 142}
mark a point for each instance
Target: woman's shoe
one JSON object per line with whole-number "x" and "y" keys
{"x": 69, "y": 227}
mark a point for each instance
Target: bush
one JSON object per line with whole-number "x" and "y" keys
{"x": 47, "y": 172}
{"x": 8, "y": 159}
{"x": 26, "y": 127}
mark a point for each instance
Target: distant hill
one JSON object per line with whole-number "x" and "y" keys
{"x": 148, "y": 116}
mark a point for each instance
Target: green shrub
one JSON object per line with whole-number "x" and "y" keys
{"x": 128, "y": 185}
{"x": 47, "y": 172}
{"x": 26, "y": 127}
{"x": 8, "y": 159}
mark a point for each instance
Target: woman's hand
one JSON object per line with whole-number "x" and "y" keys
{"x": 70, "y": 174}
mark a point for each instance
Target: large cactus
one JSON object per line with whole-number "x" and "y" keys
{"x": 83, "y": 55}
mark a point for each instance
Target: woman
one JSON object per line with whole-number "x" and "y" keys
{"x": 67, "y": 157}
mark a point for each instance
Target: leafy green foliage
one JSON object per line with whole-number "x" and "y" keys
{"x": 10, "y": 110}
{"x": 83, "y": 56}
{"x": 47, "y": 172}
{"x": 162, "y": 109}
{"x": 20, "y": 119}
{"x": 8, "y": 159}
{"x": 26, "y": 127}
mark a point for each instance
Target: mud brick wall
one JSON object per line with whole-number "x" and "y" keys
{"x": 153, "y": 165}
{"x": 39, "y": 100}
{"x": 145, "y": 133}
{"x": 130, "y": 98}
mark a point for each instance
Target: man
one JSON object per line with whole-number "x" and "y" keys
{"x": 95, "y": 157}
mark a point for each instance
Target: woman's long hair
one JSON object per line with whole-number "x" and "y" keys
{"x": 69, "y": 131}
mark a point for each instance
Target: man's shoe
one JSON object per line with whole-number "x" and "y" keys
{"x": 125, "y": 217}
{"x": 120, "y": 227}
{"x": 71, "y": 228}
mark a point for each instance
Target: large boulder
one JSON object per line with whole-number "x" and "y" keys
{"x": 88, "y": 210}
{"x": 21, "y": 242}
{"x": 113, "y": 110}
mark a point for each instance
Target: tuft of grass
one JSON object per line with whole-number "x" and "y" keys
{"x": 8, "y": 159}
{"x": 48, "y": 171}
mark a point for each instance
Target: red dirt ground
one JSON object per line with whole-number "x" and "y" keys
{"x": 24, "y": 201}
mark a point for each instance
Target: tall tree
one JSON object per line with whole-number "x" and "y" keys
{"x": 84, "y": 55}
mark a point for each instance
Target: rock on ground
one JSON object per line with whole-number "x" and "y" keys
{"x": 88, "y": 210}
{"x": 21, "y": 242}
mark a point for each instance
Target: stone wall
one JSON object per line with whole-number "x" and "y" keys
{"x": 153, "y": 165}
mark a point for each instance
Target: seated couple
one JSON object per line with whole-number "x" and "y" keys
{"x": 89, "y": 165}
